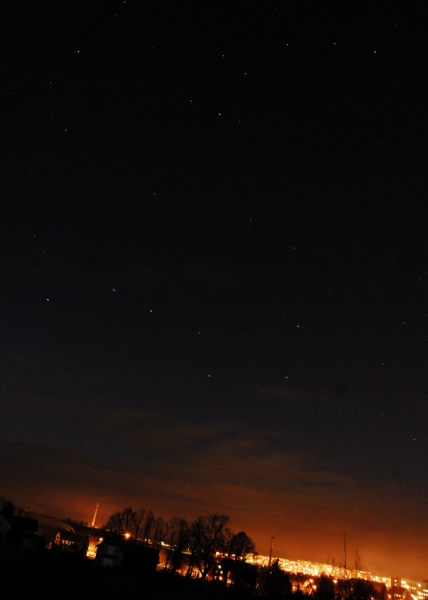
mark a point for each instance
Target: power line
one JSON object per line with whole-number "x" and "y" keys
{"x": 85, "y": 35}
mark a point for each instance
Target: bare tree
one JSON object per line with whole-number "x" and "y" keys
{"x": 209, "y": 537}
{"x": 177, "y": 540}
{"x": 274, "y": 582}
{"x": 239, "y": 548}
{"x": 159, "y": 531}
{"x": 128, "y": 520}
{"x": 138, "y": 522}
{"x": 115, "y": 523}
{"x": 147, "y": 528}
{"x": 193, "y": 549}
{"x": 127, "y": 523}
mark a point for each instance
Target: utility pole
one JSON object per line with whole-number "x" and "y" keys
{"x": 344, "y": 547}
{"x": 346, "y": 570}
{"x": 270, "y": 553}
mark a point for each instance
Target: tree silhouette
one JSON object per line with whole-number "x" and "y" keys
{"x": 177, "y": 538}
{"x": 325, "y": 589}
{"x": 147, "y": 529}
{"x": 209, "y": 537}
{"x": 121, "y": 522}
{"x": 239, "y": 547}
{"x": 8, "y": 509}
{"x": 275, "y": 583}
{"x": 158, "y": 532}
{"x": 138, "y": 522}
{"x": 358, "y": 589}
{"x": 129, "y": 522}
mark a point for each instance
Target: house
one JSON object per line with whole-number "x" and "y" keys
{"x": 4, "y": 527}
{"x": 72, "y": 542}
{"x": 26, "y": 540}
{"x": 95, "y": 534}
{"x": 23, "y": 524}
{"x": 109, "y": 554}
{"x": 116, "y": 551}
{"x": 142, "y": 558}
{"x": 22, "y": 533}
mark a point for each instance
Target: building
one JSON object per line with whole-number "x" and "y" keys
{"x": 71, "y": 542}
{"x": 116, "y": 551}
{"x": 108, "y": 554}
{"x": 408, "y": 588}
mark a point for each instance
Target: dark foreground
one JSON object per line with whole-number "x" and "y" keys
{"x": 49, "y": 574}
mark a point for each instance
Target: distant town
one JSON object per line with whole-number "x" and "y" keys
{"x": 138, "y": 548}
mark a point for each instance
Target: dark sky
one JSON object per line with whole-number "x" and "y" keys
{"x": 214, "y": 269}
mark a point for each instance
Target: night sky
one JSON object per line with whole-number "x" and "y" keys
{"x": 214, "y": 269}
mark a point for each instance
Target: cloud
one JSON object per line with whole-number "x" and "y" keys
{"x": 231, "y": 461}
{"x": 267, "y": 484}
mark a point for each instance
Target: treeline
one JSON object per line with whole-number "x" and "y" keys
{"x": 202, "y": 550}
{"x": 206, "y": 547}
